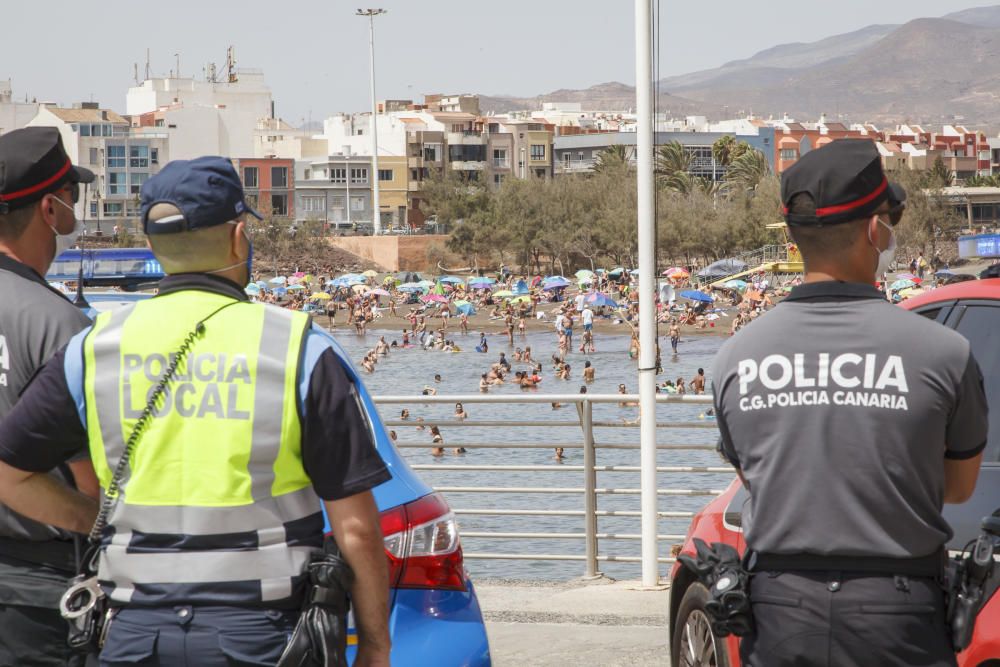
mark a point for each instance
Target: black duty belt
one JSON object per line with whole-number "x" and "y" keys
{"x": 59, "y": 554}
{"x": 925, "y": 566}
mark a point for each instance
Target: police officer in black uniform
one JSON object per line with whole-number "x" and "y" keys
{"x": 38, "y": 188}
{"x": 850, "y": 421}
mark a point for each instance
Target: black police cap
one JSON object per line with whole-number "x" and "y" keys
{"x": 845, "y": 180}
{"x": 34, "y": 163}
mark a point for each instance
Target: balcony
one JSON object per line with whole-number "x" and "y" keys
{"x": 414, "y": 186}
{"x": 468, "y": 166}
{"x": 501, "y": 163}
{"x": 574, "y": 166}
{"x": 467, "y": 138}
{"x": 415, "y": 162}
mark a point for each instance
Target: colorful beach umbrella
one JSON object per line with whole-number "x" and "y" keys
{"x": 503, "y": 294}
{"x": 320, "y": 296}
{"x": 278, "y": 280}
{"x": 481, "y": 283}
{"x": 903, "y": 284}
{"x": 297, "y": 287}
{"x": 465, "y": 308}
{"x": 379, "y": 292}
{"x": 434, "y": 298}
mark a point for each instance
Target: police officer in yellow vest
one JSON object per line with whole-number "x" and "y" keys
{"x": 205, "y": 552}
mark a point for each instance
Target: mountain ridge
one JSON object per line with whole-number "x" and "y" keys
{"x": 942, "y": 69}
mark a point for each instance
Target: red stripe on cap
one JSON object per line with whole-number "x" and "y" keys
{"x": 41, "y": 186}
{"x": 843, "y": 208}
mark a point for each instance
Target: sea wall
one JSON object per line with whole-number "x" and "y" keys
{"x": 392, "y": 253}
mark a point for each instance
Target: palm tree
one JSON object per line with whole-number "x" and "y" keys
{"x": 748, "y": 170}
{"x": 673, "y": 163}
{"x": 613, "y": 159}
{"x": 722, "y": 149}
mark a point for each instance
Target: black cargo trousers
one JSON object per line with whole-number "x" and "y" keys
{"x": 843, "y": 619}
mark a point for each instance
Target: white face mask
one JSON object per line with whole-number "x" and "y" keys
{"x": 66, "y": 241}
{"x": 887, "y": 256}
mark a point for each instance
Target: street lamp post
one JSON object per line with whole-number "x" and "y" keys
{"x": 97, "y": 202}
{"x": 376, "y": 205}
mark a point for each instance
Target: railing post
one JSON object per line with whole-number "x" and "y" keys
{"x": 589, "y": 489}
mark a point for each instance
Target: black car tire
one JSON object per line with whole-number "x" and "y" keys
{"x": 692, "y": 627}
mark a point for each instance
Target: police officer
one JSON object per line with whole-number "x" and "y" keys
{"x": 850, "y": 421}
{"x": 219, "y": 511}
{"x": 38, "y": 188}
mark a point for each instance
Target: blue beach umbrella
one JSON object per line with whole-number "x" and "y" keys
{"x": 695, "y": 295}
{"x": 453, "y": 280}
{"x": 552, "y": 282}
{"x": 736, "y": 284}
{"x": 278, "y": 280}
{"x": 600, "y": 299}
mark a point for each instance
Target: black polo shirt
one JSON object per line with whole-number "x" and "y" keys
{"x": 840, "y": 408}
{"x": 338, "y": 452}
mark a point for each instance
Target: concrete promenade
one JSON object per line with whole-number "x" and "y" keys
{"x": 543, "y": 624}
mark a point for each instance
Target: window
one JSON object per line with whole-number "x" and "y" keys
{"x": 385, "y": 174}
{"x": 414, "y": 174}
{"x": 116, "y": 183}
{"x": 116, "y": 157}
{"x": 279, "y": 177}
{"x": 498, "y": 179}
{"x": 313, "y": 204}
{"x": 500, "y": 158}
{"x": 357, "y": 203}
{"x": 359, "y": 176}
{"x": 789, "y": 154}
{"x": 337, "y": 208}
{"x": 537, "y": 151}
{"x": 466, "y": 153}
{"x": 135, "y": 181}
{"x": 981, "y": 325}
{"x": 154, "y": 156}
{"x": 432, "y": 152}
{"x": 93, "y": 209}
{"x": 93, "y": 156}
{"x": 113, "y": 209}
{"x": 338, "y": 175}
{"x": 249, "y": 177}
{"x": 279, "y": 204}
{"x": 138, "y": 157}
{"x": 85, "y": 131}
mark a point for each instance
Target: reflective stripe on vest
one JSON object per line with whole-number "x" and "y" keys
{"x": 215, "y": 505}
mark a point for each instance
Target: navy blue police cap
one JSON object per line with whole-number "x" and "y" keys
{"x": 33, "y": 163}
{"x": 846, "y": 182}
{"x": 207, "y": 192}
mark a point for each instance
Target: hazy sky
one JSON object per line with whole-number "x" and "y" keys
{"x": 315, "y": 54}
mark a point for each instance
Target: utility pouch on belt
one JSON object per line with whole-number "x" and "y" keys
{"x": 720, "y": 569}
{"x": 320, "y": 637}
{"x": 966, "y": 579}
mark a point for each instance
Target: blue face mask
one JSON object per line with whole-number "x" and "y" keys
{"x": 249, "y": 262}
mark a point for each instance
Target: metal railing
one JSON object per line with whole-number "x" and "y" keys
{"x": 590, "y": 443}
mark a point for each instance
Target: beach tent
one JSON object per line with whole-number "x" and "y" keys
{"x": 666, "y": 293}
{"x": 695, "y": 295}
{"x": 722, "y": 268}
{"x": 465, "y": 308}
{"x": 408, "y": 277}
{"x": 600, "y": 299}
{"x": 521, "y": 287}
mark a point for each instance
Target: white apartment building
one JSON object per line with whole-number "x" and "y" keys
{"x": 121, "y": 158}
{"x": 204, "y": 117}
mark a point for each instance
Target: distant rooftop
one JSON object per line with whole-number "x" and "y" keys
{"x": 87, "y": 115}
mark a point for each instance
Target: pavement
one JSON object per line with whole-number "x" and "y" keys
{"x": 549, "y": 624}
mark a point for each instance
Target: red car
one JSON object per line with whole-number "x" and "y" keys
{"x": 971, "y": 308}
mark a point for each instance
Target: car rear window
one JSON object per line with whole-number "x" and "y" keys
{"x": 981, "y": 326}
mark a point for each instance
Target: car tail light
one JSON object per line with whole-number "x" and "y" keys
{"x": 422, "y": 545}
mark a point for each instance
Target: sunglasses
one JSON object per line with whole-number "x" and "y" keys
{"x": 74, "y": 191}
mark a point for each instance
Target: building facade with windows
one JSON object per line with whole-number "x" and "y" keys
{"x": 121, "y": 159}
{"x": 269, "y": 185}
{"x": 13, "y": 114}
{"x": 335, "y": 190}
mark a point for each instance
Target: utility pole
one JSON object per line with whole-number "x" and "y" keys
{"x": 647, "y": 287}
{"x": 376, "y": 205}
